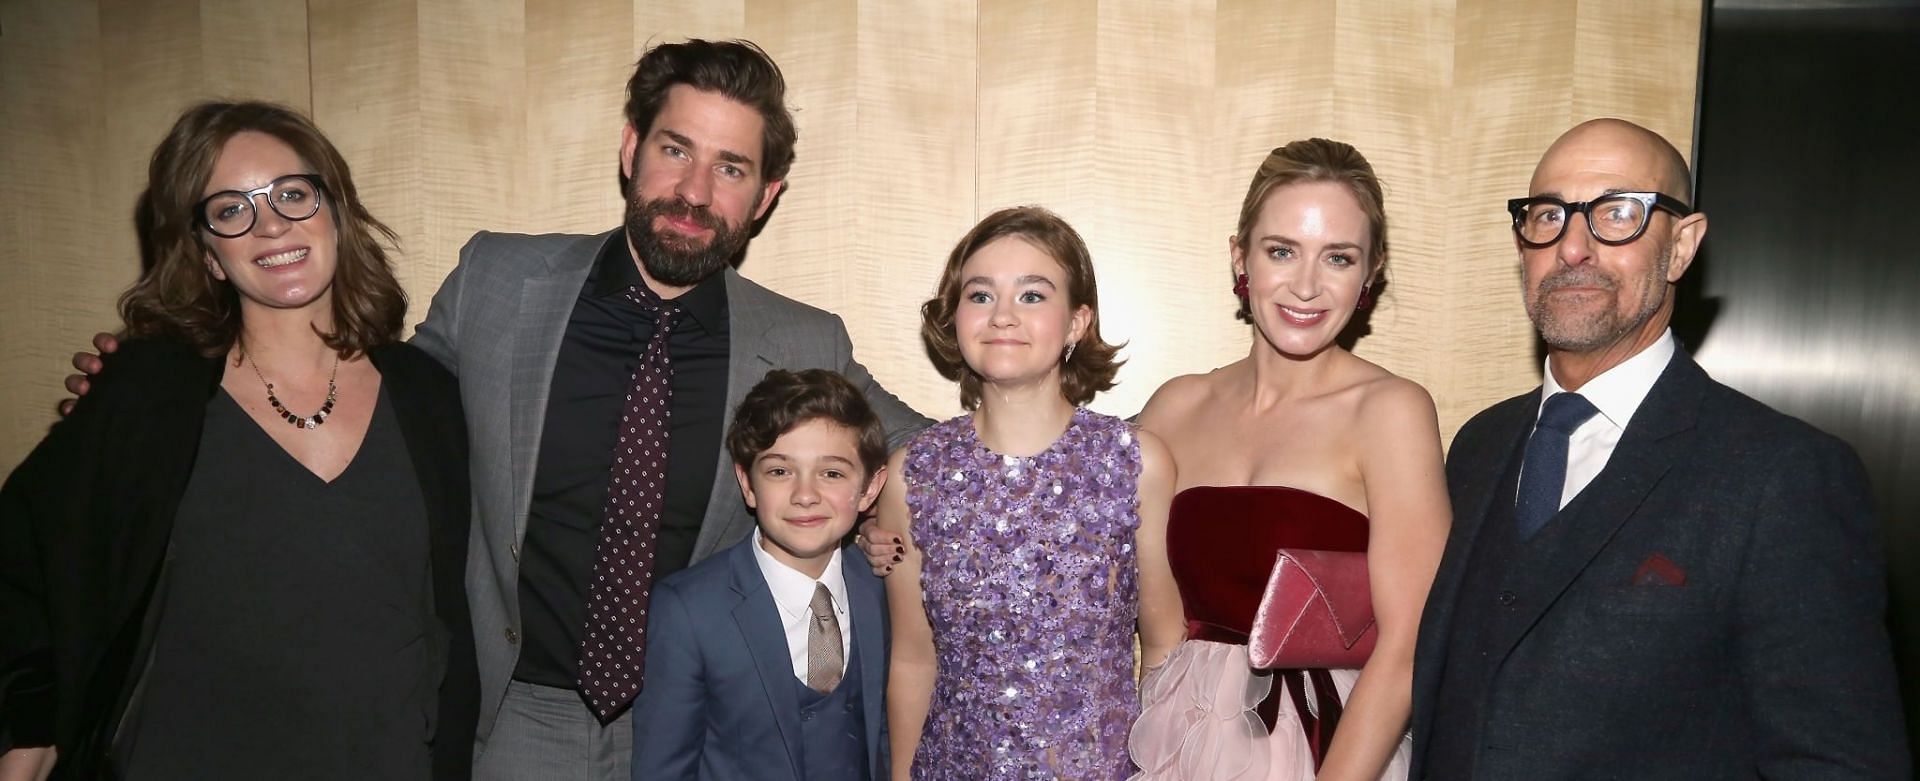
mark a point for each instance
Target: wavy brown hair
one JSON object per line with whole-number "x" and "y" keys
{"x": 785, "y": 400}
{"x": 1093, "y": 364}
{"x": 1318, "y": 160}
{"x": 178, "y": 298}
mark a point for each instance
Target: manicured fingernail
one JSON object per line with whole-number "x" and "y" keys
{"x": 889, "y": 568}
{"x": 900, "y": 550}
{"x": 896, "y": 558}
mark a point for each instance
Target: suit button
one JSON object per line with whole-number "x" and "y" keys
{"x": 1507, "y": 598}
{"x": 806, "y": 715}
{"x": 513, "y": 638}
{"x": 849, "y": 707}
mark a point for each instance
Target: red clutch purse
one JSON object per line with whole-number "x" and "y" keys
{"x": 1317, "y": 613}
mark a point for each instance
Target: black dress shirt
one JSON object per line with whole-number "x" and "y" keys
{"x": 605, "y": 335}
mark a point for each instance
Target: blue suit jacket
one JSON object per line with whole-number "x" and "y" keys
{"x": 720, "y": 701}
{"x": 1768, "y": 659}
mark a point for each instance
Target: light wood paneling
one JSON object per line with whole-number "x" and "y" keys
{"x": 366, "y": 97}
{"x": 255, "y": 49}
{"x": 1139, "y": 121}
{"x": 57, "y": 279}
{"x": 913, "y": 162}
{"x": 1152, "y": 128}
{"x": 579, "y": 54}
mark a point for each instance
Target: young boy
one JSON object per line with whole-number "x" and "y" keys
{"x": 768, "y": 660}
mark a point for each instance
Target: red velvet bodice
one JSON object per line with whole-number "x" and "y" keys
{"x": 1221, "y": 543}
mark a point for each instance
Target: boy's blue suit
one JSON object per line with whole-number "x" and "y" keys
{"x": 721, "y": 700}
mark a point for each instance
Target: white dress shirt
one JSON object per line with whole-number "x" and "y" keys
{"x": 1617, "y": 393}
{"x": 793, "y": 599}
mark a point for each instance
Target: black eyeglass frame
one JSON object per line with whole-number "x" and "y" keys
{"x": 1648, "y": 201}
{"x": 319, "y": 188}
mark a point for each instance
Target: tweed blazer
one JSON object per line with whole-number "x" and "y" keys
{"x": 497, "y": 323}
{"x": 1760, "y": 649}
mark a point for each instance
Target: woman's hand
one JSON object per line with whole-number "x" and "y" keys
{"x": 27, "y": 764}
{"x": 884, "y": 548}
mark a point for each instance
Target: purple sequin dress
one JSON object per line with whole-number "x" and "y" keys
{"x": 1031, "y": 589}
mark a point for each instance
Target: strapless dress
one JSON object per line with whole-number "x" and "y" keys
{"x": 1208, "y": 715}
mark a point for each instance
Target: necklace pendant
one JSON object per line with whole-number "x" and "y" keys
{"x": 295, "y": 420}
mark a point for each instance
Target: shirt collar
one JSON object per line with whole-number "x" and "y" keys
{"x": 614, "y": 270}
{"x": 792, "y": 589}
{"x": 1618, "y": 391}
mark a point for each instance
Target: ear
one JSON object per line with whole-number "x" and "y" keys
{"x": 1238, "y": 256}
{"x": 746, "y": 486}
{"x": 629, "y": 146}
{"x": 768, "y": 192}
{"x": 1082, "y": 316}
{"x": 1688, "y": 232}
{"x": 213, "y": 264}
{"x": 874, "y": 484}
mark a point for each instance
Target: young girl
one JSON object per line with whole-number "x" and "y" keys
{"x": 1035, "y": 529}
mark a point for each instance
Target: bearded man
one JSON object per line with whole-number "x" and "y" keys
{"x": 598, "y": 373}
{"x": 1650, "y": 575}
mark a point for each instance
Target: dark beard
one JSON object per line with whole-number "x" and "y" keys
{"x": 669, "y": 259}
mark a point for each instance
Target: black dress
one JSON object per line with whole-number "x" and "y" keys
{"x": 295, "y": 620}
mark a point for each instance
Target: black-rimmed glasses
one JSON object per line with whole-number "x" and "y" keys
{"x": 1613, "y": 219}
{"x": 231, "y": 213}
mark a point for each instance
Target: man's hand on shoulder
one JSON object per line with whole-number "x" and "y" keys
{"x": 88, "y": 364}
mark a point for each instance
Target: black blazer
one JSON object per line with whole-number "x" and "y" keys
{"x": 85, "y": 523}
{"x": 1771, "y": 660}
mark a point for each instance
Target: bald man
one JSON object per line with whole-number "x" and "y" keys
{"x": 1650, "y": 575}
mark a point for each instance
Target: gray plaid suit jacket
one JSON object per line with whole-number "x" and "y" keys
{"x": 497, "y": 322}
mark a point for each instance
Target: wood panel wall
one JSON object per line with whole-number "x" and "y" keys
{"x": 1139, "y": 120}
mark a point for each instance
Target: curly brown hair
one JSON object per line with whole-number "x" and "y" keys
{"x": 784, "y": 400}
{"x": 178, "y": 298}
{"x": 1318, "y": 160}
{"x": 1093, "y": 363}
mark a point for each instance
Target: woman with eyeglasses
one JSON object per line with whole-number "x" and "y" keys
{"x": 241, "y": 556}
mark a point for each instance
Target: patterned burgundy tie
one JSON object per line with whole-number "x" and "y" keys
{"x": 613, "y": 651}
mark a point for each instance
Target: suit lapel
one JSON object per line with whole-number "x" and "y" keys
{"x": 869, "y": 610}
{"x": 1479, "y": 470}
{"x": 761, "y": 627}
{"x": 1478, "y": 490}
{"x": 750, "y": 345}
{"x": 540, "y": 323}
{"x": 1653, "y": 442}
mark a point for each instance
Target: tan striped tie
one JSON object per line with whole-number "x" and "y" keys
{"x": 824, "y": 656}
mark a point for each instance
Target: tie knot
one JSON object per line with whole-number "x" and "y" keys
{"x": 1564, "y": 412}
{"x": 663, "y": 310}
{"x": 822, "y": 604}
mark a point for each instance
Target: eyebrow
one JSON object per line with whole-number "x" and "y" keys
{"x": 726, "y": 155}
{"x": 1334, "y": 245}
{"x": 770, "y": 455}
{"x": 1555, "y": 194}
{"x": 1025, "y": 279}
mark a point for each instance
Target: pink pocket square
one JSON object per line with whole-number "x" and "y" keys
{"x": 1658, "y": 570}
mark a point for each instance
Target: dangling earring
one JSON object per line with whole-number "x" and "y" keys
{"x": 1240, "y": 287}
{"x": 1069, "y": 356}
{"x": 1366, "y": 298}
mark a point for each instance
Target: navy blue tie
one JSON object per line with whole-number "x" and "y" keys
{"x": 1544, "y": 475}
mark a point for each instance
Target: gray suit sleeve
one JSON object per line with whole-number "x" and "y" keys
{"x": 438, "y": 335}
{"x": 901, "y": 421}
{"x": 1812, "y": 645}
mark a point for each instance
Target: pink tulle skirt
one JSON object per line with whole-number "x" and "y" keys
{"x": 1198, "y": 722}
